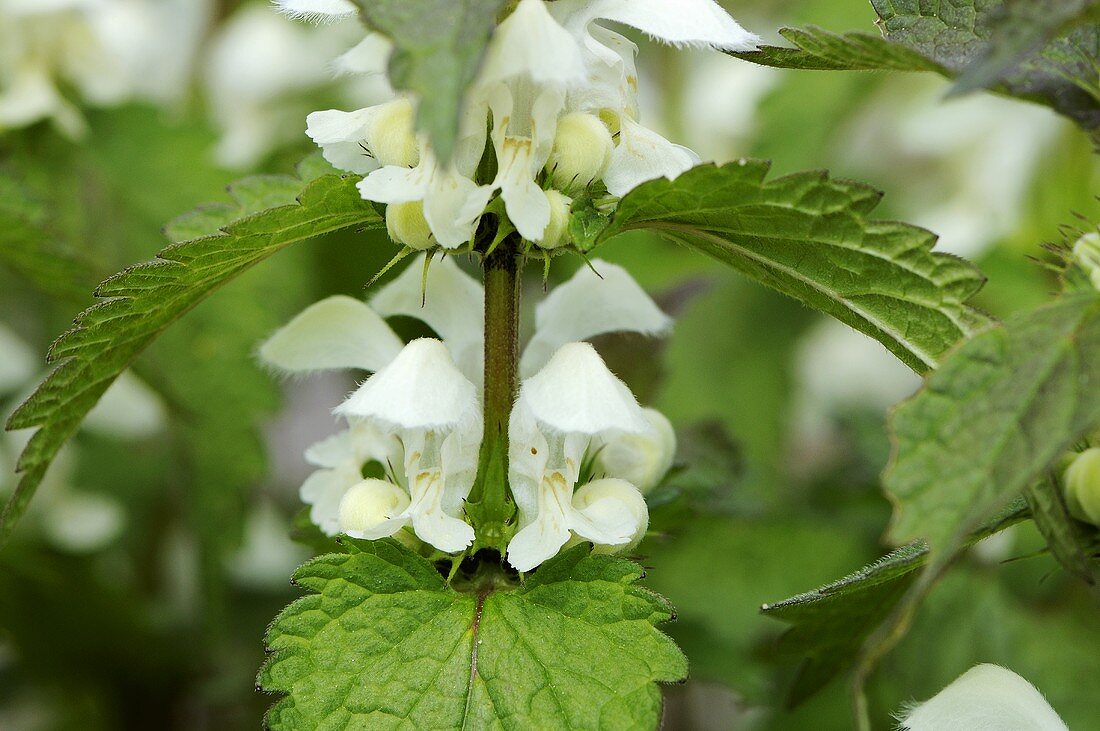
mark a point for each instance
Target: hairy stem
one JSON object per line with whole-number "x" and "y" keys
{"x": 493, "y": 508}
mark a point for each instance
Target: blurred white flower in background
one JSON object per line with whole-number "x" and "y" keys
{"x": 976, "y": 156}
{"x": 262, "y": 66}
{"x": 984, "y": 698}
{"x": 267, "y": 556}
{"x": 72, "y": 519}
{"x": 108, "y": 51}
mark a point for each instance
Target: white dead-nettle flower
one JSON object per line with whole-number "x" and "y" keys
{"x": 561, "y": 91}
{"x": 344, "y": 333}
{"x": 1081, "y": 482}
{"x": 72, "y": 519}
{"x": 108, "y": 51}
{"x": 984, "y": 698}
{"x": 562, "y": 412}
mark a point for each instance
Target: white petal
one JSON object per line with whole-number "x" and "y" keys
{"x": 640, "y": 459}
{"x": 420, "y": 389}
{"x": 576, "y": 393}
{"x": 369, "y": 56}
{"x": 431, "y": 523}
{"x": 337, "y": 332}
{"x": 267, "y": 556}
{"x": 452, "y": 205}
{"x": 542, "y": 538}
{"x": 18, "y": 363}
{"x": 643, "y": 155}
{"x": 528, "y": 453}
{"x": 332, "y": 451}
{"x": 530, "y": 43}
{"x": 129, "y": 409}
{"x": 323, "y": 491}
{"x": 341, "y": 136}
{"x": 393, "y": 184}
{"x": 610, "y": 513}
{"x": 985, "y": 698}
{"x": 373, "y": 509}
{"x": 452, "y": 304}
{"x": 599, "y": 299}
{"x": 684, "y": 22}
{"x": 318, "y": 10}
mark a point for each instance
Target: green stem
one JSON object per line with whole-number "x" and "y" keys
{"x": 492, "y": 508}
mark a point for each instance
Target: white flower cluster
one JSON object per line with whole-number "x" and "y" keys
{"x": 561, "y": 93}
{"x": 420, "y": 415}
{"x": 109, "y": 51}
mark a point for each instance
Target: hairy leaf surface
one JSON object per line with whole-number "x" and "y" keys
{"x": 809, "y": 236}
{"x": 139, "y": 303}
{"x": 438, "y": 47}
{"x": 993, "y": 419}
{"x": 384, "y": 642}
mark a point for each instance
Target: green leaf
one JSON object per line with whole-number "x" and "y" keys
{"x": 993, "y": 419}
{"x": 1046, "y": 52}
{"x": 809, "y": 236}
{"x": 139, "y": 303}
{"x": 438, "y": 47}
{"x": 831, "y": 624}
{"x": 385, "y": 643}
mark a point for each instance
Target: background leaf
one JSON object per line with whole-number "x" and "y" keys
{"x": 992, "y": 419}
{"x": 384, "y": 642}
{"x": 142, "y": 301}
{"x": 808, "y": 236}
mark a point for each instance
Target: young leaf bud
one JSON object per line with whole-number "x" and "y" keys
{"x": 392, "y": 138}
{"x": 581, "y": 153}
{"x": 1086, "y": 252}
{"x": 406, "y": 225}
{"x": 557, "y": 231}
{"x": 1081, "y": 482}
{"x": 642, "y": 459}
{"x": 370, "y": 503}
{"x": 610, "y": 501}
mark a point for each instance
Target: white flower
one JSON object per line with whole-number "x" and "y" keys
{"x": 985, "y": 698}
{"x": 344, "y": 333}
{"x": 109, "y": 51}
{"x": 267, "y": 556}
{"x": 557, "y": 86}
{"x": 425, "y": 401}
{"x": 1081, "y": 483}
{"x": 640, "y": 459}
{"x": 569, "y": 405}
{"x": 319, "y": 10}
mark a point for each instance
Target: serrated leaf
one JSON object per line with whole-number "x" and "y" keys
{"x": 384, "y": 642}
{"x": 992, "y": 420}
{"x": 831, "y": 624}
{"x": 809, "y": 236}
{"x": 987, "y": 43}
{"x": 139, "y": 303}
{"x": 438, "y": 47}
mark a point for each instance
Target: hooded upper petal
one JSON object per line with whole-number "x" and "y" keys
{"x": 599, "y": 299}
{"x": 531, "y": 43}
{"x": 318, "y": 10}
{"x": 985, "y": 697}
{"x": 420, "y": 389}
{"x": 684, "y": 22}
{"x": 340, "y": 136}
{"x": 575, "y": 392}
{"x": 337, "y": 332}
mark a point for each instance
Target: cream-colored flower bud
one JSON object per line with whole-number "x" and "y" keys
{"x": 581, "y": 153}
{"x": 369, "y": 504}
{"x": 642, "y": 459}
{"x": 1086, "y": 252}
{"x": 557, "y": 231}
{"x": 392, "y": 138}
{"x": 610, "y": 501}
{"x": 406, "y": 225}
{"x": 1082, "y": 485}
